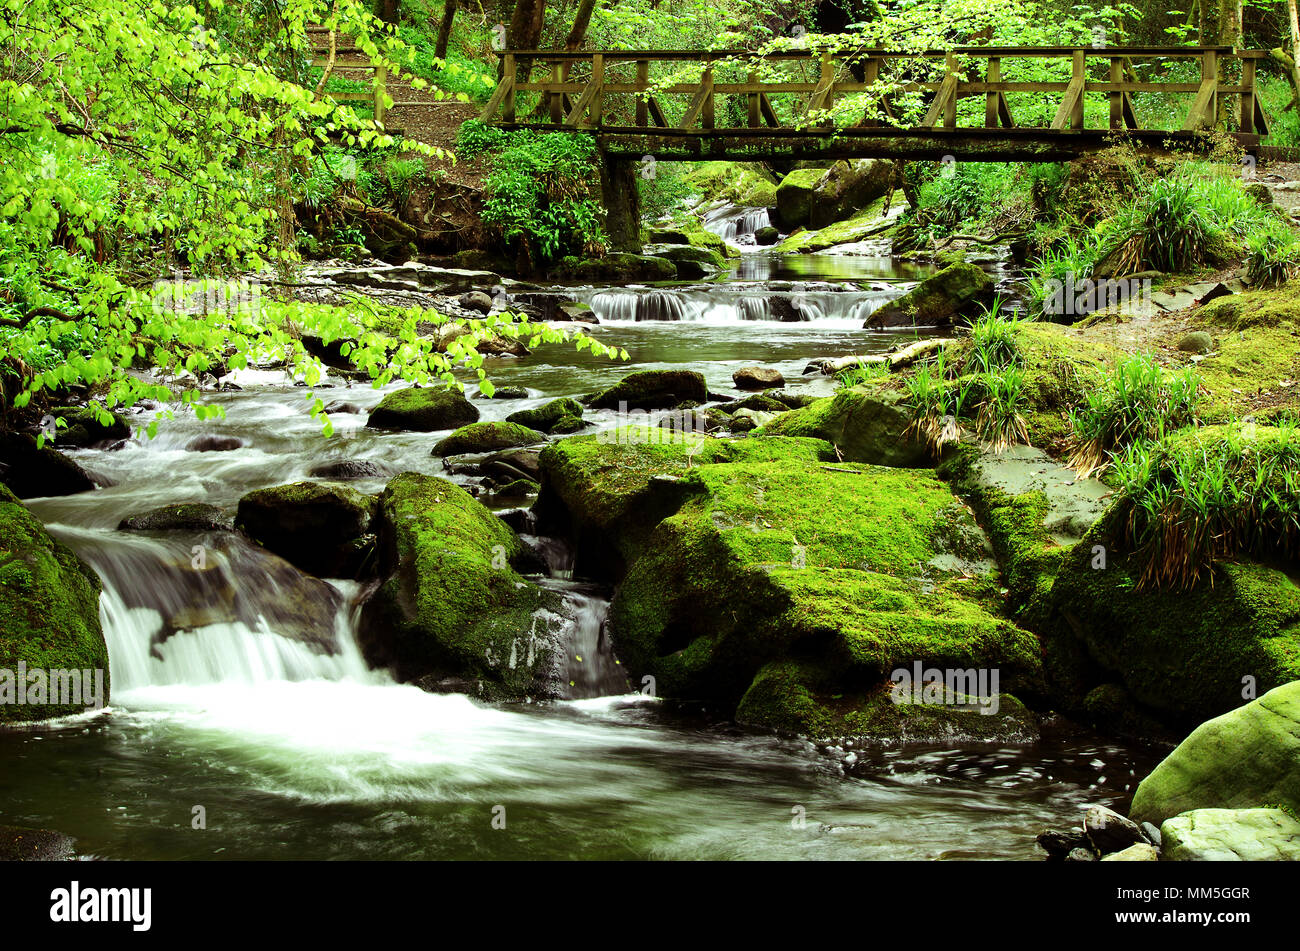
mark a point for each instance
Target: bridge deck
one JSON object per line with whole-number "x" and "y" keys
{"x": 794, "y": 103}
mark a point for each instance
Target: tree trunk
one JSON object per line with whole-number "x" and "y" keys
{"x": 444, "y": 29}
{"x": 622, "y": 202}
{"x": 580, "y": 23}
{"x": 1294, "y": 73}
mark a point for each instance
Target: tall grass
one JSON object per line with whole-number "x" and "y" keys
{"x": 1139, "y": 402}
{"x": 1272, "y": 256}
{"x": 1202, "y": 497}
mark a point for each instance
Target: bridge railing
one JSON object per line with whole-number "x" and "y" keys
{"x": 612, "y": 91}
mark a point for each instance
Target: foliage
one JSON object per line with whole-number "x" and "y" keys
{"x": 1139, "y": 403}
{"x": 1272, "y": 256}
{"x": 1198, "y": 498}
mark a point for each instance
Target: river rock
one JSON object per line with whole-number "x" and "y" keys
{"x": 476, "y": 300}
{"x": 29, "y": 472}
{"x": 1081, "y": 855}
{"x": 423, "y": 409}
{"x": 1137, "y": 852}
{"x": 316, "y": 526}
{"x": 1232, "y": 835}
{"x": 1247, "y": 757}
{"x": 653, "y": 389}
{"x": 1058, "y": 843}
{"x": 766, "y": 235}
{"x": 847, "y": 187}
{"x": 794, "y": 197}
{"x": 179, "y": 517}
{"x": 85, "y": 429}
{"x": 757, "y": 378}
{"x": 621, "y": 267}
{"x": 959, "y": 292}
{"x": 1109, "y": 831}
{"x": 544, "y": 418}
{"x": 692, "y": 262}
{"x": 451, "y": 604}
{"x": 1198, "y": 341}
{"x": 505, "y": 393}
{"x": 49, "y": 611}
{"x": 346, "y": 470}
{"x": 35, "y": 845}
{"x": 512, "y": 464}
{"x": 214, "y": 443}
{"x": 486, "y": 437}
{"x": 866, "y": 424}
{"x": 342, "y": 406}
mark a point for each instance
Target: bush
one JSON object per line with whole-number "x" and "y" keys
{"x": 1272, "y": 256}
{"x": 1139, "y": 403}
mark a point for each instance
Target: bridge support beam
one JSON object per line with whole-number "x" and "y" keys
{"x": 618, "y": 186}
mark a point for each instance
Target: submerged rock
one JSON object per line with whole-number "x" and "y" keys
{"x": 1247, "y": 757}
{"x": 423, "y": 409}
{"x": 84, "y": 427}
{"x": 545, "y": 418}
{"x": 451, "y": 604}
{"x": 49, "y": 612}
{"x": 35, "y": 845}
{"x": 29, "y": 472}
{"x": 345, "y": 470}
{"x": 213, "y": 443}
{"x": 180, "y": 517}
{"x": 318, "y": 527}
{"x": 485, "y": 437}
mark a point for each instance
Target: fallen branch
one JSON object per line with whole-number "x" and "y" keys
{"x": 893, "y": 361}
{"x": 995, "y": 239}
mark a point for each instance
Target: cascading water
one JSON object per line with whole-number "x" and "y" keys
{"x": 731, "y": 223}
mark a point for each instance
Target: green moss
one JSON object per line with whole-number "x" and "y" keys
{"x": 864, "y": 224}
{"x": 740, "y": 183}
{"x": 84, "y": 427}
{"x": 545, "y": 417}
{"x": 423, "y": 409}
{"x": 653, "y": 389}
{"x": 486, "y": 437}
{"x": 452, "y": 605}
{"x": 867, "y": 423}
{"x": 862, "y": 566}
{"x": 49, "y": 608}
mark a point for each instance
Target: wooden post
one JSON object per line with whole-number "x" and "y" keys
{"x": 828, "y": 79}
{"x": 870, "y": 76}
{"x": 1079, "y": 74}
{"x": 754, "y": 119}
{"x": 991, "y": 99}
{"x": 706, "y": 115}
{"x": 1116, "y": 75}
{"x": 643, "y": 83}
{"x": 555, "y": 98}
{"x": 598, "y": 81}
{"x": 950, "y": 107}
{"x": 508, "y": 103}
{"x": 381, "y": 80}
{"x": 1247, "y": 94}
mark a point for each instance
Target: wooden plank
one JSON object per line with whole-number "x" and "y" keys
{"x": 947, "y": 90}
{"x": 950, "y": 106}
{"x": 508, "y": 104}
{"x": 656, "y": 113}
{"x": 769, "y": 114}
{"x": 1116, "y": 98}
{"x": 1072, "y": 100}
{"x": 642, "y": 80}
{"x": 753, "y": 117}
{"x": 1247, "y": 114}
{"x": 598, "y": 81}
{"x": 503, "y": 89}
{"x": 1204, "y": 112}
{"x": 555, "y": 99}
{"x": 994, "y": 74}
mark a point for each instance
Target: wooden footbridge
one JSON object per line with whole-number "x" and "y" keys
{"x": 742, "y": 105}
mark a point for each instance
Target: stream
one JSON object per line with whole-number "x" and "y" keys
{"x": 242, "y": 691}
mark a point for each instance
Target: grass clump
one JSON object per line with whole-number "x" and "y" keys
{"x": 1138, "y": 403}
{"x": 1272, "y": 256}
{"x": 1214, "y": 494}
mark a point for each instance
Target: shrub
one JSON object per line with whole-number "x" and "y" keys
{"x": 1272, "y": 256}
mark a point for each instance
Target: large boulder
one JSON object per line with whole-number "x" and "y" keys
{"x": 49, "y": 617}
{"x": 559, "y": 413}
{"x": 487, "y": 437}
{"x": 692, "y": 262}
{"x": 757, "y": 378}
{"x": 29, "y": 472}
{"x": 789, "y": 594}
{"x": 179, "y": 517}
{"x": 653, "y": 389}
{"x": 620, "y": 267}
{"x": 423, "y": 409}
{"x": 451, "y": 608}
{"x": 1245, "y": 758}
{"x": 321, "y": 528}
{"x": 1232, "y": 835}
{"x": 866, "y": 424}
{"x": 794, "y": 197}
{"x": 959, "y": 292}
{"x": 85, "y": 427}
{"x": 846, "y": 187}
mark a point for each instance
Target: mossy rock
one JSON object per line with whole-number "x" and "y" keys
{"x": 866, "y": 423}
{"x": 693, "y": 262}
{"x": 180, "y": 517}
{"x": 794, "y": 197}
{"x": 1231, "y": 835}
{"x": 861, "y": 569}
{"x": 451, "y": 605}
{"x": 847, "y": 187}
{"x": 653, "y": 389}
{"x": 622, "y": 266}
{"x": 312, "y": 525}
{"x": 424, "y": 409}
{"x": 958, "y": 292}
{"x": 740, "y": 183}
{"x": 85, "y": 428}
{"x": 49, "y": 611}
{"x": 609, "y": 490}
{"x": 869, "y": 222}
{"x": 1180, "y": 654}
{"x": 793, "y": 697}
{"x": 712, "y": 242}
{"x": 544, "y": 418}
{"x": 1244, "y": 758}
{"x": 30, "y": 473}
{"x": 1256, "y": 355}
{"x": 487, "y": 437}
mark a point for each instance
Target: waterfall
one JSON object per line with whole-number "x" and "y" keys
{"x": 730, "y": 223}
{"x": 782, "y": 302}
{"x": 592, "y": 670}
